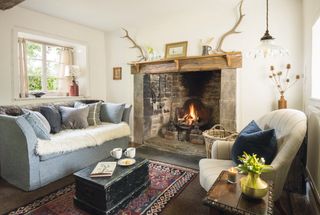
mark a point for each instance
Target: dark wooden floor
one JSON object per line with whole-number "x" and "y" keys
{"x": 188, "y": 202}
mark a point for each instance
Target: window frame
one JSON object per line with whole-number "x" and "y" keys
{"x": 45, "y": 62}
{"x": 316, "y": 25}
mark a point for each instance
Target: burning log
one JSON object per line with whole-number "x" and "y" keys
{"x": 189, "y": 118}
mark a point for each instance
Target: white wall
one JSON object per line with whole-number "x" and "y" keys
{"x": 19, "y": 18}
{"x": 119, "y": 91}
{"x": 213, "y": 18}
{"x": 311, "y": 12}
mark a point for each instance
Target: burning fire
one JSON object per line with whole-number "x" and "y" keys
{"x": 192, "y": 116}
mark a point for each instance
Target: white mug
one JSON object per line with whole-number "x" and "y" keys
{"x": 116, "y": 153}
{"x": 130, "y": 152}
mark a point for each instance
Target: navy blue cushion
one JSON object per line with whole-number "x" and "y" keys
{"x": 250, "y": 128}
{"x": 253, "y": 140}
{"x": 53, "y": 116}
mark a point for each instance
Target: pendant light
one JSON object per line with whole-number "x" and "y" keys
{"x": 267, "y": 48}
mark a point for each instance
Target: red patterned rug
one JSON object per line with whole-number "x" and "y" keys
{"x": 167, "y": 181}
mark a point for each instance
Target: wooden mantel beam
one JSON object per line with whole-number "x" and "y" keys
{"x": 230, "y": 60}
{"x": 7, "y": 4}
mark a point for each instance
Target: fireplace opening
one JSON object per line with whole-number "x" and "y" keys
{"x": 189, "y": 122}
{"x": 193, "y": 113}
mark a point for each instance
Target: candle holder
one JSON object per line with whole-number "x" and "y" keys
{"x": 232, "y": 175}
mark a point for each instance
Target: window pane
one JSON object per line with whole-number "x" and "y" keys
{"x": 34, "y": 50}
{"x": 53, "y": 69}
{"x": 34, "y": 74}
{"x": 53, "y": 53}
{"x": 34, "y": 83}
{"x": 52, "y": 76}
{"x": 52, "y": 83}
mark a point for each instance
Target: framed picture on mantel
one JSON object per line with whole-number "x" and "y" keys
{"x": 176, "y": 50}
{"x": 117, "y": 73}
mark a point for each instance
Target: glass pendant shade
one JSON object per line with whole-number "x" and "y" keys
{"x": 267, "y": 48}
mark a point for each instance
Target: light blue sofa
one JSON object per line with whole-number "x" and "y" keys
{"x": 22, "y": 167}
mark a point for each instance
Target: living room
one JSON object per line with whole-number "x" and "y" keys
{"x": 170, "y": 94}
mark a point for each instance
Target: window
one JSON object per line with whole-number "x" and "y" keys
{"x": 315, "y": 76}
{"x": 41, "y": 67}
{"x": 43, "y": 64}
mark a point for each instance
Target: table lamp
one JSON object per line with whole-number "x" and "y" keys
{"x": 74, "y": 72}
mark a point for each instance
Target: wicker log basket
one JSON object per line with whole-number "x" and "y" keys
{"x": 217, "y": 132}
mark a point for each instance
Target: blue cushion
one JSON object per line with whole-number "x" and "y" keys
{"x": 41, "y": 117}
{"x": 126, "y": 113}
{"x": 253, "y": 140}
{"x": 37, "y": 125}
{"x": 53, "y": 116}
{"x": 74, "y": 118}
{"x": 250, "y": 128}
{"x": 111, "y": 112}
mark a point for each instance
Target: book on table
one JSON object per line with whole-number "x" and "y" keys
{"x": 103, "y": 169}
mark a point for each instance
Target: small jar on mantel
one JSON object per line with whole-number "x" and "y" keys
{"x": 282, "y": 102}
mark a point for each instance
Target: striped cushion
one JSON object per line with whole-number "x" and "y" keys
{"x": 94, "y": 112}
{"x": 38, "y": 126}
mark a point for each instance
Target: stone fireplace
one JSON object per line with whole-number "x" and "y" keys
{"x": 176, "y": 100}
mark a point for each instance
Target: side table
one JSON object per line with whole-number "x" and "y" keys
{"x": 227, "y": 198}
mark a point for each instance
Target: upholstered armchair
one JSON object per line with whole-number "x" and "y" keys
{"x": 290, "y": 126}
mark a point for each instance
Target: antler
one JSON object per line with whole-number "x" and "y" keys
{"x": 135, "y": 45}
{"x": 232, "y": 30}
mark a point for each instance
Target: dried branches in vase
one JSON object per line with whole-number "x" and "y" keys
{"x": 283, "y": 81}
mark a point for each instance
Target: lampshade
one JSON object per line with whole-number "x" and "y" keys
{"x": 72, "y": 71}
{"x": 267, "y": 48}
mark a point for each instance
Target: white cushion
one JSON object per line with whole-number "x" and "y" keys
{"x": 72, "y": 140}
{"x": 210, "y": 169}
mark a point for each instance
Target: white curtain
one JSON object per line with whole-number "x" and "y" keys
{"x": 66, "y": 58}
{"x": 24, "y": 86}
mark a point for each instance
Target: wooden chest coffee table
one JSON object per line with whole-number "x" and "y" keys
{"x": 226, "y": 198}
{"x": 108, "y": 195}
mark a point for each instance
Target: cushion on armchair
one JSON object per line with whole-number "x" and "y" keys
{"x": 253, "y": 140}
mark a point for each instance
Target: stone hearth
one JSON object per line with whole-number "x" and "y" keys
{"x": 159, "y": 96}
{"x": 175, "y": 146}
